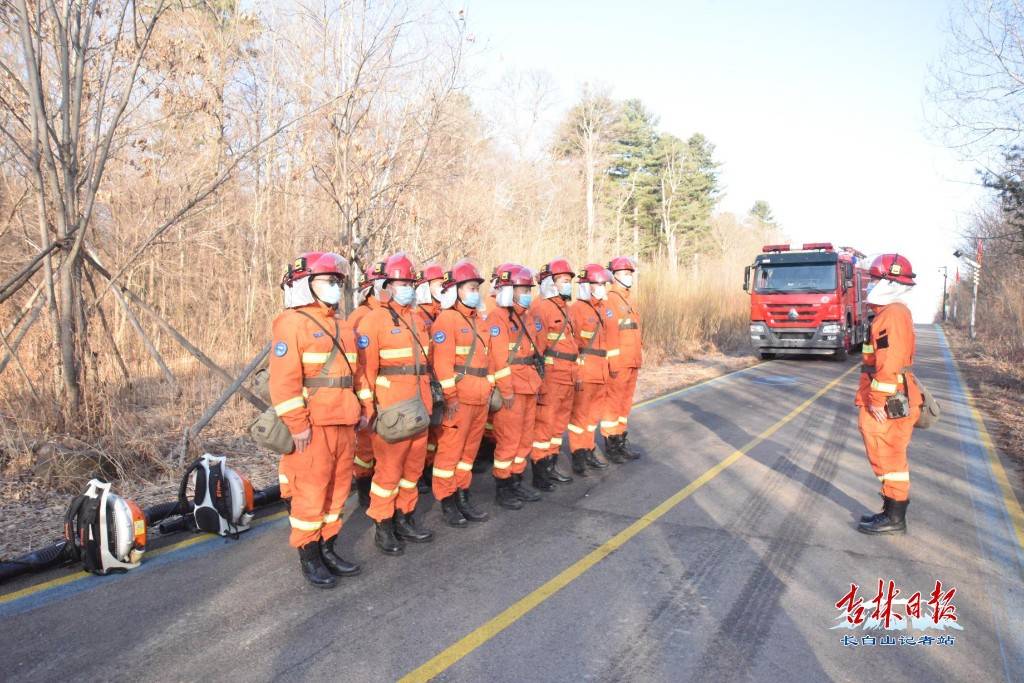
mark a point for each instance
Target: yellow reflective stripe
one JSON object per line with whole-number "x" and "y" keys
{"x": 406, "y": 484}
{"x": 586, "y": 334}
{"x": 519, "y": 459}
{"x": 464, "y": 466}
{"x": 352, "y": 358}
{"x": 448, "y": 383}
{"x": 591, "y": 428}
{"x": 462, "y": 350}
{"x": 315, "y": 357}
{"x": 576, "y": 430}
{"x": 289, "y": 405}
{"x": 556, "y": 441}
{"x": 613, "y": 352}
{"x": 303, "y": 525}
{"x": 431, "y": 448}
{"x": 381, "y": 491}
{"x": 362, "y": 463}
{"x": 282, "y": 479}
{"x": 503, "y": 373}
{"x": 867, "y": 348}
{"x": 548, "y": 360}
{"x": 609, "y": 423}
{"x": 556, "y": 336}
{"x": 511, "y": 346}
{"x": 383, "y": 381}
{"x": 364, "y": 394}
{"x": 396, "y": 353}
{"x": 895, "y": 476}
{"x": 331, "y": 518}
{"x": 488, "y": 425}
{"x": 884, "y": 387}
{"x": 502, "y": 464}
{"x": 624, "y": 420}
{"x": 490, "y": 379}
{"x": 541, "y": 444}
{"x": 444, "y": 474}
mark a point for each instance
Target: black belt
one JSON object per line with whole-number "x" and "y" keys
{"x": 871, "y": 370}
{"x": 401, "y": 370}
{"x": 594, "y": 352}
{"x": 527, "y": 360}
{"x": 328, "y": 382}
{"x": 571, "y": 357}
{"x": 476, "y": 372}
{"x": 629, "y": 326}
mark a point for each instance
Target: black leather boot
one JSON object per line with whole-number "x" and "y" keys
{"x": 484, "y": 456}
{"x": 451, "y": 513}
{"x": 876, "y": 516}
{"x": 423, "y": 484}
{"x": 541, "y": 478}
{"x": 628, "y": 452}
{"x": 612, "y": 449}
{"x": 553, "y": 472}
{"x": 334, "y": 562}
{"x": 363, "y": 490}
{"x": 594, "y": 461}
{"x": 894, "y": 520}
{"x": 406, "y": 529}
{"x": 468, "y": 510}
{"x": 313, "y": 566}
{"x": 385, "y": 539}
{"x": 505, "y": 496}
{"x": 521, "y": 492}
{"x": 579, "y": 462}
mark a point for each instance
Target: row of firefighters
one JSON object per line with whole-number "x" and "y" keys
{"x": 518, "y": 371}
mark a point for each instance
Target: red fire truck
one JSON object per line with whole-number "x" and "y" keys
{"x": 807, "y": 301}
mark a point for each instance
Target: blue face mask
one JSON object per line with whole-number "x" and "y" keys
{"x": 404, "y": 295}
{"x": 565, "y": 289}
{"x": 471, "y": 299}
{"x": 525, "y": 300}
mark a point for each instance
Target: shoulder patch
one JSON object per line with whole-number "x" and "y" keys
{"x": 363, "y": 341}
{"x": 882, "y": 342}
{"x": 280, "y": 349}
{"x": 318, "y": 334}
{"x": 440, "y": 337}
{"x": 495, "y": 330}
{"x": 464, "y": 330}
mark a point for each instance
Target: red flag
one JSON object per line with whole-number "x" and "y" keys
{"x": 979, "y": 251}
{"x": 958, "y": 274}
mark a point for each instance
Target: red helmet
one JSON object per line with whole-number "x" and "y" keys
{"x": 316, "y": 263}
{"x": 558, "y": 266}
{"x": 514, "y": 275}
{"x": 430, "y": 272}
{"x": 498, "y": 270}
{"x": 462, "y": 271}
{"x": 373, "y": 272}
{"x": 399, "y": 267}
{"x": 892, "y": 267}
{"x": 595, "y": 274}
{"x": 622, "y": 263}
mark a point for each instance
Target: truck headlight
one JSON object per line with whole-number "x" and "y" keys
{"x": 757, "y": 328}
{"x": 830, "y": 328}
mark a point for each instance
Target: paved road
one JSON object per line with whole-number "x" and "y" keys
{"x": 719, "y": 556}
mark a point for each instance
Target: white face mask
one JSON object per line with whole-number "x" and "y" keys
{"x": 625, "y": 279}
{"x": 886, "y": 292}
{"x": 599, "y": 292}
{"x": 583, "y": 292}
{"x": 506, "y": 296}
{"x": 548, "y": 289}
{"x": 378, "y": 288}
{"x": 328, "y": 293}
{"x": 423, "y": 294}
{"x": 449, "y": 297}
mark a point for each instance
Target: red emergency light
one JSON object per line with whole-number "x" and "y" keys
{"x": 769, "y": 248}
{"x": 824, "y": 246}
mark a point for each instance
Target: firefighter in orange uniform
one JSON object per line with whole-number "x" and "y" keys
{"x": 485, "y": 456}
{"x": 888, "y": 396}
{"x": 554, "y": 331}
{"x": 615, "y": 421}
{"x": 597, "y": 334}
{"x": 515, "y": 372}
{"x": 314, "y": 376}
{"x": 461, "y": 343}
{"x": 393, "y": 341}
{"x": 370, "y": 295}
{"x": 428, "y": 301}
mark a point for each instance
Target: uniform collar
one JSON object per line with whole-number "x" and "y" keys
{"x": 464, "y": 309}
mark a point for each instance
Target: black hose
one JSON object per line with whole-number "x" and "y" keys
{"x": 37, "y": 560}
{"x": 266, "y": 496}
{"x": 161, "y": 511}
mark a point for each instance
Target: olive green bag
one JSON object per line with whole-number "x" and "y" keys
{"x": 930, "y": 410}
{"x": 405, "y": 419}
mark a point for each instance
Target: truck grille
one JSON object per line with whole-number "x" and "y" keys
{"x": 779, "y": 315}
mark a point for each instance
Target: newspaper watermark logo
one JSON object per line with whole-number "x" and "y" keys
{"x": 888, "y": 613}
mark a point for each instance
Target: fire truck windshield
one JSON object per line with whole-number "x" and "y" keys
{"x": 792, "y": 278}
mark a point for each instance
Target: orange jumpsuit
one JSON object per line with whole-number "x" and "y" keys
{"x": 597, "y": 334}
{"x": 553, "y": 331}
{"x": 515, "y": 376}
{"x": 391, "y": 360}
{"x": 490, "y": 306}
{"x": 467, "y": 381}
{"x": 888, "y": 357}
{"x": 430, "y": 312}
{"x": 615, "y": 418}
{"x": 318, "y": 479}
{"x": 364, "y": 445}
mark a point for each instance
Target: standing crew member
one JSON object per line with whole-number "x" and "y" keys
{"x": 888, "y": 397}
{"x": 392, "y": 339}
{"x": 314, "y": 374}
{"x": 615, "y": 422}
{"x": 515, "y": 372}
{"x": 428, "y": 301}
{"x": 461, "y": 349}
{"x": 554, "y": 330}
{"x": 485, "y": 455}
{"x": 369, "y": 292}
{"x": 597, "y": 334}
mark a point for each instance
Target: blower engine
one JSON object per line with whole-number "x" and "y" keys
{"x": 106, "y": 532}
{"x": 223, "y": 499}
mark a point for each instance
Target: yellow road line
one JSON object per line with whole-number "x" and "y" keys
{"x": 509, "y": 616}
{"x": 71, "y": 578}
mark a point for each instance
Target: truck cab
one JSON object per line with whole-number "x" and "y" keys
{"x": 806, "y": 301}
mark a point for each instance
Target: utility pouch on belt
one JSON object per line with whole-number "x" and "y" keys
{"x": 402, "y": 420}
{"x": 930, "y": 410}
{"x": 437, "y": 403}
{"x": 897, "y": 406}
{"x": 495, "y": 402}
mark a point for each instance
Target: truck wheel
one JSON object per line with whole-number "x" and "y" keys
{"x": 840, "y": 354}
{"x": 767, "y": 355}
